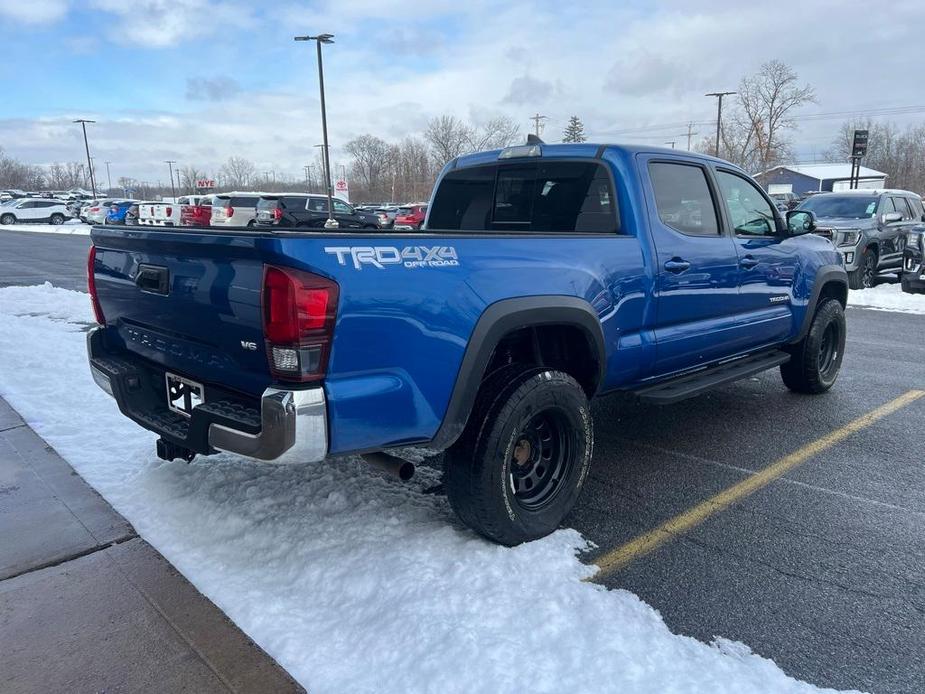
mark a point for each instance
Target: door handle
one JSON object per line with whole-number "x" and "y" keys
{"x": 748, "y": 262}
{"x": 676, "y": 265}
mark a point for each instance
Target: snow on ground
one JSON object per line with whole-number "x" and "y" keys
{"x": 354, "y": 583}
{"x": 70, "y": 227}
{"x": 887, "y": 297}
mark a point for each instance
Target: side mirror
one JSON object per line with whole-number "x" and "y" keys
{"x": 801, "y": 222}
{"x": 891, "y": 217}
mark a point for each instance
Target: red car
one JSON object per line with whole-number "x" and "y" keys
{"x": 410, "y": 217}
{"x": 195, "y": 210}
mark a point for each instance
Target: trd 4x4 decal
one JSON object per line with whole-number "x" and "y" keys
{"x": 409, "y": 256}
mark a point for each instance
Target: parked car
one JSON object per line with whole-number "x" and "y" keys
{"x": 146, "y": 212}
{"x": 96, "y": 211}
{"x": 234, "y": 209}
{"x": 195, "y": 210}
{"x": 117, "y": 211}
{"x": 868, "y": 227}
{"x": 35, "y": 210}
{"x": 913, "y": 276}
{"x": 531, "y": 292}
{"x": 788, "y": 200}
{"x": 410, "y": 217}
{"x": 167, "y": 213}
{"x": 131, "y": 214}
{"x": 307, "y": 210}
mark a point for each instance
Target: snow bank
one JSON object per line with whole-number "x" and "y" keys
{"x": 354, "y": 583}
{"x": 887, "y": 297}
{"x": 72, "y": 227}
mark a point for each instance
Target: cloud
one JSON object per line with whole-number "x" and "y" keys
{"x": 211, "y": 89}
{"x": 528, "y": 90}
{"x": 33, "y": 11}
{"x": 164, "y": 23}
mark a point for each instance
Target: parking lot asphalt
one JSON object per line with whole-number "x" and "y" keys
{"x": 821, "y": 570}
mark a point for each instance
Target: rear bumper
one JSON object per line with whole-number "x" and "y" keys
{"x": 289, "y": 424}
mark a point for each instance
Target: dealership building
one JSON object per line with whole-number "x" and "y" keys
{"x": 805, "y": 178}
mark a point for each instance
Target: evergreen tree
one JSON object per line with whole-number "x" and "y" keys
{"x": 574, "y": 131}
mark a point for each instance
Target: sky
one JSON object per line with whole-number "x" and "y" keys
{"x": 198, "y": 81}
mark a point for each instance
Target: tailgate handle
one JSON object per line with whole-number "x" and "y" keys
{"x": 153, "y": 279}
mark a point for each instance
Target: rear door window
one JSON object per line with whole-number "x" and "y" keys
{"x": 538, "y": 196}
{"x": 683, "y": 199}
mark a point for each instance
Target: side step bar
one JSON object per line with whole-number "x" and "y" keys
{"x": 689, "y": 385}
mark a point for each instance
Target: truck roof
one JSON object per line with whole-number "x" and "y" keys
{"x": 583, "y": 150}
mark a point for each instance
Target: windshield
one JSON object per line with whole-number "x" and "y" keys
{"x": 844, "y": 206}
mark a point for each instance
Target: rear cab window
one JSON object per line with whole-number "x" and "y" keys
{"x": 544, "y": 196}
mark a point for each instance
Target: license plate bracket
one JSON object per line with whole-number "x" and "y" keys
{"x": 183, "y": 394}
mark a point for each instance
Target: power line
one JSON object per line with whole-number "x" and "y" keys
{"x": 537, "y": 119}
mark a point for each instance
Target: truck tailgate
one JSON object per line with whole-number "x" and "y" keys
{"x": 189, "y": 302}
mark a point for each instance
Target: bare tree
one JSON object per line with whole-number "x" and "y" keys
{"x": 754, "y": 132}
{"x": 500, "y": 131}
{"x": 238, "y": 172}
{"x": 372, "y": 159}
{"x": 188, "y": 177}
{"x": 448, "y": 137}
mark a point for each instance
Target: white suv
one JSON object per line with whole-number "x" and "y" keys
{"x": 234, "y": 209}
{"x": 35, "y": 210}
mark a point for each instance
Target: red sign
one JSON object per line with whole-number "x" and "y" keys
{"x": 205, "y": 183}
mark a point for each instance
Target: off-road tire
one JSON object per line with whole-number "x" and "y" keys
{"x": 816, "y": 360}
{"x": 864, "y": 277}
{"x": 478, "y": 473}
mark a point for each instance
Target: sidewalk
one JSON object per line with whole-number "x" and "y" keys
{"x": 87, "y": 605}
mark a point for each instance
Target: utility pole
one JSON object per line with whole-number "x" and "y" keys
{"x": 83, "y": 124}
{"x": 308, "y": 179}
{"x": 537, "y": 120}
{"x": 670, "y": 143}
{"x": 331, "y": 223}
{"x": 109, "y": 177}
{"x": 719, "y": 115}
{"x": 690, "y": 133}
{"x": 173, "y": 190}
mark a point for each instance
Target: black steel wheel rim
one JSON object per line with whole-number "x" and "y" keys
{"x": 828, "y": 350}
{"x": 868, "y": 271}
{"x": 541, "y": 460}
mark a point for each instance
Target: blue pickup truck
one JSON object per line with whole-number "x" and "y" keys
{"x": 544, "y": 276}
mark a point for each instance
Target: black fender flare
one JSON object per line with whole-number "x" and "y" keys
{"x": 496, "y": 321}
{"x": 824, "y": 275}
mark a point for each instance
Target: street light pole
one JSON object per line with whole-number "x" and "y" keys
{"x": 331, "y": 223}
{"x": 719, "y": 114}
{"x": 109, "y": 177}
{"x": 83, "y": 124}
{"x": 173, "y": 190}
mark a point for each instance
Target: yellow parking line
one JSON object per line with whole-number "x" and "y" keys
{"x": 642, "y": 545}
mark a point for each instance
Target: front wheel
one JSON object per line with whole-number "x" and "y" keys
{"x": 864, "y": 276}
{"x": 519, "y": 467}
{"x": 7, "y": 219}
{"x": 816, "y": 360}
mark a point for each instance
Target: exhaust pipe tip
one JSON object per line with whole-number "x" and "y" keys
{"x": 391, "y": 465}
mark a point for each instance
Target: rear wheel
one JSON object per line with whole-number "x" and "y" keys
{"x": 57, "y": 219}
{"x": 816, "y": 360}
{"x": 7, "y": 219}
{"x": 866, "y": 274}
{"x": 518, "y": 468}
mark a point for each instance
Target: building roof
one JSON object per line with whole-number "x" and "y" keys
{"x": 824, "y": 172}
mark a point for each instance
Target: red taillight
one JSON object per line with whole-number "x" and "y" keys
{"x": 91, "y": 287}
{"x": 94, "y": 209}
{"x": 299, "y": 309}
{"x": 277, "y": 213}
{"x": 229, "y": 211}
{"x": 169, "y": 211}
